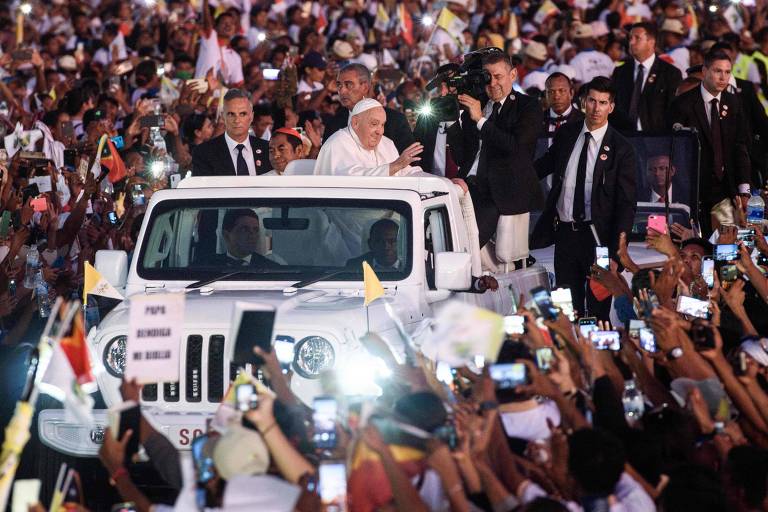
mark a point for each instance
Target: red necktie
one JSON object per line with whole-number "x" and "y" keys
{"x": 451, "y": 169}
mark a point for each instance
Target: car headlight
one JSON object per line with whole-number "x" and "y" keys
{"x": 313, "y": 355}
{"x": 114, "y": 356}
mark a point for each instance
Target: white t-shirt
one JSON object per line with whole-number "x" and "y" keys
{"x": 531, "y": 424}
{"x": 221, "y": 58}
{"x": 590, "y": 63}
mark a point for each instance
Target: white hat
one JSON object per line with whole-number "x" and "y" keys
{"x": 67, "y": 63}
{"x": 599, "y": 28}
{"x": 674, "y": 26}
{"x": 582, "y": 31}
{"x": 343, "y": 49}
{"x": 536, "y": 50}
{"x": 566, "y": 70}
{"x": 240, "y": 451}
{"x": 365, "y": 104}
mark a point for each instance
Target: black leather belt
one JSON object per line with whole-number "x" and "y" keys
{"x": 573, "y": 226}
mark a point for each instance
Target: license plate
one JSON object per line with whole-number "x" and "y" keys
{"x": 182, "y": 435}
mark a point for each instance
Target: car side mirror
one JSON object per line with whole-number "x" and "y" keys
{"x": 453, "y": 271}
{"x": 113, "y": 266}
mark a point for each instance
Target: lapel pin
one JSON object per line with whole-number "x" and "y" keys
{"x": 652, "y": 78}
{"x": 606, "y": 148}
{"x": 258, "y": 151}
{"x": 723, "y": 113}
{"x": 258, "y": 163}
{"x": 725, "y": 107}
{"x": 603, "y": 157}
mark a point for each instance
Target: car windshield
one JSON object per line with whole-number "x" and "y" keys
{"x": 276, "y": 239}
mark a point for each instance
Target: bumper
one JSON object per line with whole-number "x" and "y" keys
{"x": 78, "y": 440}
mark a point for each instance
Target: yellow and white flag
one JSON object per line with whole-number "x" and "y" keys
{"x": 96, "y": 284}
{"x": 452, "y": 24}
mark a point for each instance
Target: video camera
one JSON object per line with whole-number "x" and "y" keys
{"x": 470, "y": 79}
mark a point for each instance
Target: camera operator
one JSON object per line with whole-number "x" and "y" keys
{"x": 494, "y": 146}
{"x": 432, "y": 132}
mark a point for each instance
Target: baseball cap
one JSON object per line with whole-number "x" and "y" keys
{"x": 313, "y": 60}
{"x": 92, "y": 115}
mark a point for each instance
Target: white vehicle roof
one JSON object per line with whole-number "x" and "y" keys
{"x": 423, "y": 184}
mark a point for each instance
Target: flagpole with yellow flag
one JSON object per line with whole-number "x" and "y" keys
{"x": 373, "y": 290}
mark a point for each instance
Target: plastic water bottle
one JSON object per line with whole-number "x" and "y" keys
{"x": 755, "y": 208}
{"x": 43, "y": 301}
{"x": 634, "y": 404}
{"x": 33, "y": 264}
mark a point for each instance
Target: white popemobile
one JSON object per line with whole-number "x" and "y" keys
{"x": 313, "y": 231}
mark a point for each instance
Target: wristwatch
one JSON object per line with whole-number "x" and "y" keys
{"x": 675, "y": 353}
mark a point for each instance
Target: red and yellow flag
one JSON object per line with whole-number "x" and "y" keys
{"x": 111, "y": 159}
{"x": 76, "y": 350}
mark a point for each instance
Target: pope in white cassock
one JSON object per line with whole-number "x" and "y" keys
{"x": 361, "y": 149}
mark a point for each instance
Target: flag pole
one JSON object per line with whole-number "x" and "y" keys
{"x": 367, "y": 320}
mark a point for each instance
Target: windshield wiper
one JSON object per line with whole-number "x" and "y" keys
{"x": 206, "y": 282}
{"x": 325, "y": 275}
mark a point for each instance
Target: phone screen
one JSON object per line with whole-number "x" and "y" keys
{"x": 708, "y": 271}
{"x": 587, "y": 325}
{"x": 544, "y": 302}
{"x": 270, "y": 74}
{"x": 601, "y": 257}
{"x": 5, "y": 222}
{"x": 514, "y": 324}
{"x": 284, "y": 349}
{"x": 692, "y": 306}
{"x": 324, "y": 419}
{"x": 726, "y": 252}
{"x": 634, "y": 328}
{"x": 544, "y": 357}
{"x": 112, "y": 218}
{"x": 508, "y": 375}
{"x": 648, "y": 340}
{"x": 747, "y": 236}
{"x": 333, "y": 484}
{"x": 244, "y": 394}
{"x": 606, "y": 340}
{"x": 561, "y": 298}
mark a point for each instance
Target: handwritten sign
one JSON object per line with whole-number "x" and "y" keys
{"x": 154, "y": 338}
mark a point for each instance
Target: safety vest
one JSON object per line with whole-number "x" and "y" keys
{"x": 741, "y": 66}
{"x": 762, "y": 66}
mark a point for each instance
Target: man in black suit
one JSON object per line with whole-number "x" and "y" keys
{"x": 240, "y": 231}
{"x": 494, "y": 146}
{"x": 382, "y": 240}
{"x": 645, "y": 85}
{"x": 718, "y": 116}
{"x": 354, "y": 83}
{"x": 235, "y": 153}
{"x": 558, "y": 91}
{"x": 436, "y": 157}
{"x": 592, "y": 200}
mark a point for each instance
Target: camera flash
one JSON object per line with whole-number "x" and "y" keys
{"x": 25, "y": 9}
{"x": 427, "y": 20}
{"x": 261, "y": 36}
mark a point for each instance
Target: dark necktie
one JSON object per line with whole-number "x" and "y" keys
{"x": 717, "y": 141}
{"x": 581, "y": 181}
{"x": 242, "y": 167}
{"x": 634, "y": 104}
{"x": 557, "y": 122}
{"x": 495, "y": 110}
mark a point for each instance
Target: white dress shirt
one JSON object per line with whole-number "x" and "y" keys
{"x": 647, "y": 63}
{"x": 438, "y": 156}
{"x": 487, "y": 111}
{"x": 247, "y": 153}
{"x": 565, "y": 201}
{"x": 708, "y": 97}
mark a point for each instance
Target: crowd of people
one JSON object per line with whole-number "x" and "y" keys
{"x": 528, "y": 107}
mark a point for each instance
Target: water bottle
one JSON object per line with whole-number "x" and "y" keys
{"x": 43, "y": 301}
{"x": 33, "y": 264}
{"x": 634, "y": 404}
{"x": 755, "y": 208}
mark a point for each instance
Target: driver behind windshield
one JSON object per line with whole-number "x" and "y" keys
{"x": 382, "y": 240}
{"x": 240, "y": 231}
